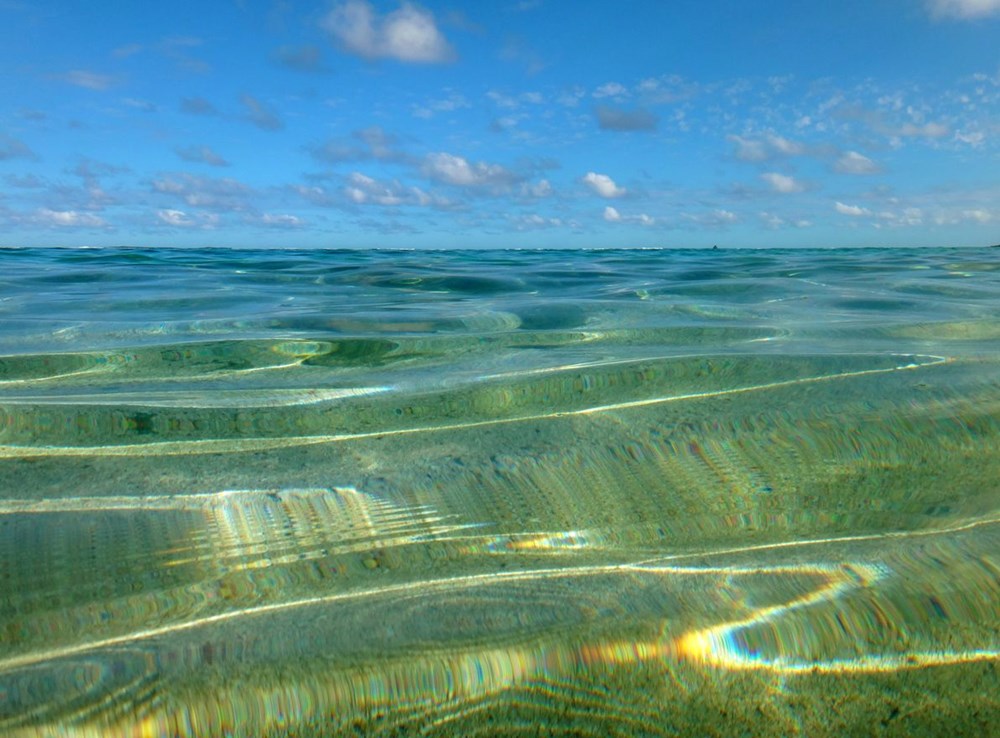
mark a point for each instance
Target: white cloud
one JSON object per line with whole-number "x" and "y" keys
{"x": 362, "y": 190}
{"x": 854, "y": 163}
{"x": 855, "y": 211}
{"x": 975, "y": 139}
{"x": 965, "y": 9}
{"x": 613, "y": 216}
{"x": 535, "y": 221}
{"x": 782, "y": 183}
{"x": 453, "y": 102}
{"x": 717, "y": 218}
{"x": 603, "y": 185}
{"x": 281, "y": 220}
{"x": 68, "y": 218}
{"x": 610, "y": 89}
{"x": 748, "y": 149}
{"x": 455, "y": 170}
{"x": 762, "y": 148}
{"x": 408, "y": 34}
{"x": 174, "y": 218}
{"x": 542, "y": 188}
{"x": 205, "y": 192}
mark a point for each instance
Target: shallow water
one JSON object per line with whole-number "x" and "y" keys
{"x": 499, "y": 493}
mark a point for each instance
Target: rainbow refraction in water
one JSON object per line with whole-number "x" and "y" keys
{"x": 288, "y": 493}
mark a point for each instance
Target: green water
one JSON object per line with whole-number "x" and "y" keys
{"x": 541, "y": 493}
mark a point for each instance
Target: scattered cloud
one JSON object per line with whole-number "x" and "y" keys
{"x": 718, "y": 218}
{"x": 176, "y": 218}
{"x": 205, "y": 192}
{"x": 766, "y": 147}
{"x": 964, "y": 9}
{"x": 773, "y": 222}
{"x": 278, "y": 220}
{"x": 612, "y": 215}
{"x": 617, "y": 119}
{"x": 455, "y": 170}
{"x": 854, "y": 211}
{"x": 201, "y": 155}
{"x": 537, "y": 190}
{"x": 451, "y": 103}
{"x": 927, "y": 130}
{"x": 144, "y": 106}
{"x": 782, "y": 183}
{"x": 362, "y": 145}
{"x": 362, "y": 189}
{"x": 535, "y": 221}
{"x": 261, "y": 115}
{"x": 305, "y": 58}
{"x": 68, "y": 218}
{"x": 611, "y": 89}
{"x": 408, "y": 34}
{"x": 13, "y": 148}
{"x": 854, "y": 163}
{"x": 88, "y": 80}
{"x": 603, "y": 185}
{"x": 197, "y": 106}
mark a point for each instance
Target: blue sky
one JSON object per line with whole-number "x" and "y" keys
{"x": 510, "y": 123}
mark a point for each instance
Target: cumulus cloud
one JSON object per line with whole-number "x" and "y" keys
{"x": 455, "y": 170}
{"x": 854, "y": 211}
{"x": 964, "y": 9}
{"x": 362, "y": 189}
{"x": 764, "y": 148}
{"x": 612, "y": 215}
{"x": 611, "y": 89}
{"x": 68, "y": 218}
{"x": 261, "y": 115}
{"x": 542, "y": 188}
{"x": 205, "y": 192}
{"x": 603, "y": 185}
{"x": 408, "y": 34}
{"x": 617, "y": 119}
{"x": 177, "y": 218}
{"x": 854, "y": 163}
{"x": 782, "y": 183}
{"x": 201, "y": 155}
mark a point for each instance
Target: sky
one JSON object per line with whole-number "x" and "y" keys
{"x": 506, "y": 124}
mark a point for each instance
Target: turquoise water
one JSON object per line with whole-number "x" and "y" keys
{"x": 499, "y": 493}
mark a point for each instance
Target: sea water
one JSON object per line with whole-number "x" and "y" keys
{"x": 295, "y": 493}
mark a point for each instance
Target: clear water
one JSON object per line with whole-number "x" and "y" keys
{"x": 499, "y": 493}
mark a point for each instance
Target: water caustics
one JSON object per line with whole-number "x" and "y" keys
{"x": 648, "y": 495}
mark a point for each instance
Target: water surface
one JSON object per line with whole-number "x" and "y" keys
{"x": 499, "y": 493}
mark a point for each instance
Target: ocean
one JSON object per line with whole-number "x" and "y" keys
{"x": 460, "y": 493}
